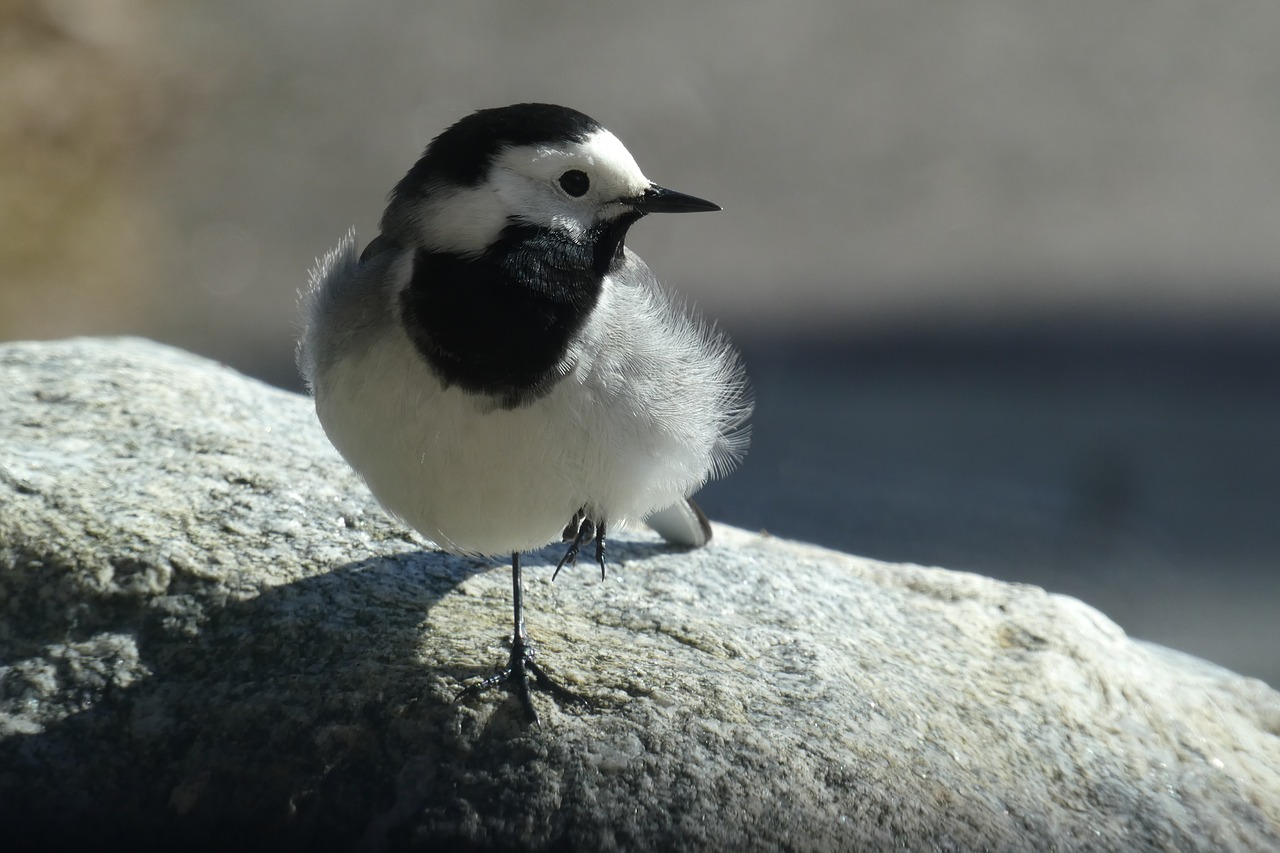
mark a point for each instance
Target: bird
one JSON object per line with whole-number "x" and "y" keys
{"x": 504, "y": 373}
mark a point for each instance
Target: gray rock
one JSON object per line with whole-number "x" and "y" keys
{"x": 211, "y": 636}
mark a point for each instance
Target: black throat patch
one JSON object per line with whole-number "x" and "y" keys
{"x": 501, "y": 324}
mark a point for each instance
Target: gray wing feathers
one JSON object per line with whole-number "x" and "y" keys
{"x": 318, "y": 300}
{"x": 345, "y": 302}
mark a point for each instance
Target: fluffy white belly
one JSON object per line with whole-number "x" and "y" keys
{"x": 478, "y": 479}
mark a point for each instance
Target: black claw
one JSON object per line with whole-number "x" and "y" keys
{"x": 600, "y": 548}
{"x": 570, "y": 558}
{"x": 586, "y": 529}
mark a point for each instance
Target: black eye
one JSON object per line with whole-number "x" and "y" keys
{"x": 575, "y": 182}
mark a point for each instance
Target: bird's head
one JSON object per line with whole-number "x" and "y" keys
{"x": 537, "y": 165}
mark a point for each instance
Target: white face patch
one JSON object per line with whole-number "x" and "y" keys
{"x": 465, "y": 220}
{"x": 527, "y": 180}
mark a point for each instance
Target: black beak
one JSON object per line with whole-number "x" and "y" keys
{"x": 658, "y": 199}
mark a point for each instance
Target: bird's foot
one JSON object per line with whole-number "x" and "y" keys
{"x": 579, "y": 530}
{"x": 520, "y": 666}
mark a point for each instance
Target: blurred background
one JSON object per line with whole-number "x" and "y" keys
{"x": 1006, "y": 276}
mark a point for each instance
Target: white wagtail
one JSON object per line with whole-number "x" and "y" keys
{"x": 503, "y": 372}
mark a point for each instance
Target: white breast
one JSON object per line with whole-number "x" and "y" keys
{"x": 478, "y": 479}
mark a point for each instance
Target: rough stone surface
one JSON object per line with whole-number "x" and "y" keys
{"x": 211, "y": 636}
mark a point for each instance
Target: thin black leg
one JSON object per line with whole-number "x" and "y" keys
{"x": 522, "y": 660}
{"x": 517, "y": 597}
{"x": 521, "y": 651}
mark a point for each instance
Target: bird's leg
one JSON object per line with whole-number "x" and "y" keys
{"x": 522, "y": 660}
{"x": 586, "y": 529}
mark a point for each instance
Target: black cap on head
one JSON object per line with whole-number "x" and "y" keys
{"x": 462, "y": 154}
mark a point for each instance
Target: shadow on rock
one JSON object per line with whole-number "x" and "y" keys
{"x": 314, "y": 715}
{"x": 276, "y": 721}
